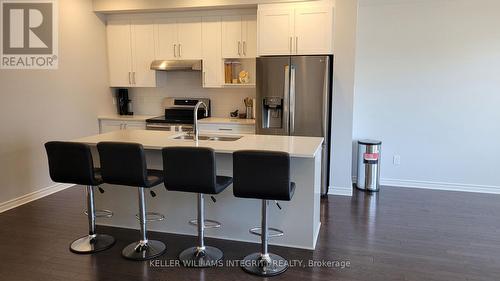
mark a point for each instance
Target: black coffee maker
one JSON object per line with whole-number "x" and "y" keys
{"x": 123, "y": 102}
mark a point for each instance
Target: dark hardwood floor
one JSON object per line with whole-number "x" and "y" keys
{"x": 398, "y": 234}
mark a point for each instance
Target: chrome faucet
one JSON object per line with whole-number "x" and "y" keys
{"x": 196, "y": 132}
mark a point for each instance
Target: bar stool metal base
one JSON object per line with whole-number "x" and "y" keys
{"x": 255, "y": 264}
{"x": 193, "y": 257}
{"x": 138, "y": 252}
{"x": 92, "y": 244}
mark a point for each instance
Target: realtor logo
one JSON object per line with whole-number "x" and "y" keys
{"x": 29, "y": 34}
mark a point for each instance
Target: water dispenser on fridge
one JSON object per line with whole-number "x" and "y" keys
{"x": 272, "y": 112}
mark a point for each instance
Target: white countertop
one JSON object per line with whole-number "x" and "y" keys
{"x": 300, "y": 147}
{"x": 225, "y": 121}
{"x": 209, "y": 120}
{"x": 124, "y": 117}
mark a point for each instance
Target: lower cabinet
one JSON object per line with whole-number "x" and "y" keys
{"x": 106, "y": 126}
{"x": 227, "y": 128}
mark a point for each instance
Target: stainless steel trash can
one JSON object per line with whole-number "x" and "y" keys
{"x": 368, "y": 176}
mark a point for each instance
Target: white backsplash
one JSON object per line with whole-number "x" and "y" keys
{"x": 147, "y": 101}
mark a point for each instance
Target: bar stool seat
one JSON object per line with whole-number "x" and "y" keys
{"x": 72, "y": 163}
{"x": 193, "y": 169}
{"x": 222, "y": 183}
{"x": 98, "y": 176}
{"x": 154, "y": 178}
{"x": 125, "y": 164}
{"x": 263, "y": 175}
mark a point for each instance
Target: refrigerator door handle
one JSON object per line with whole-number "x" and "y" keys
{"x": 292, "y": 100}
{"x": 326, "y": 90}
{"x": 286, "y": 97}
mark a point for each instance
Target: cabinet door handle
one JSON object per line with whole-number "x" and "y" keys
{"x": 204, "y": 79}
{"x": 133, "y": 77}
{"x": 239, "y": 48}
{"x": 175, "y": 54}
{"x": 296, "y": 44}
{"x": 125, "y": 126}
{"x": 244, "y": 48}
{"x": 180, "y": 50}
{"x": 290, "y": 44}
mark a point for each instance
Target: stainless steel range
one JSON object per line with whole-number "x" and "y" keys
{"x": 179, "y": 115}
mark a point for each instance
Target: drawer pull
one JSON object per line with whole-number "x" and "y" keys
{"x": 225, "y": 129}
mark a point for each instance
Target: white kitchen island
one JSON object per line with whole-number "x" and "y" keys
{"x": 299, "y": 218}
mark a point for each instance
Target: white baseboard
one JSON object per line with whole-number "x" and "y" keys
{"x": 16, "y": 202}
{"x": 340, "y": 190}
{"x": 490, "y": 189}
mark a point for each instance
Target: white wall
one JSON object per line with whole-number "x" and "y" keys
{"x": 188, "y": 84}
{"x": 41, "y": 105}
{"x": 428, "y": 86}
{"x": 342, "y": 125}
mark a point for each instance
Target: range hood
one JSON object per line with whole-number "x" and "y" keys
{"x": 176, "y": 65}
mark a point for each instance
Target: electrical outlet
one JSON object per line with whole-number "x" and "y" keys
{"x": 396, "y": 160}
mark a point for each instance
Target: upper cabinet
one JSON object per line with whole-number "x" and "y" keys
{"x": 178, "y": 38}
{"x": 239, "y": 36}
{"x": 135, "y": 41}
{"x": 313, "y": 30}
{"x": 143, "y": 54}
{"x": 119, "y": 54}
{"x": 275, "y": 31}
{"x": 249, "y": 35}
{"x": 295, "y": 29}
{"x": 166, "y": 43}
{"x": 211, "y": 47}
{"x": 130, "y": 54}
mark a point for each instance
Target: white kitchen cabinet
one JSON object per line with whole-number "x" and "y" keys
{"x": 106, "y": 126}
{"x": 178, "y": 38}
{"x": 231, "y": 36}
{"x": 249, "y": 35}
{"x": 295, "y": 29}
{"x": 166, "y": 39}
{"x": 239, "y": 36}
{"x": 227, "y": 128}
{"x": 119, "y": 54}
{"x": 130, "y": 53}
{"x": 189, "y": 36}
{"x": 211, "y": 48}
{"x": 313, "y": 30}
{"x": 275, "y": 31}
{"x": 143, "y": 53}
{"x": 110, "y": 126}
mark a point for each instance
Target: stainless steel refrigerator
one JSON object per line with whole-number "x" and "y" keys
{"x": 294, "y": 98}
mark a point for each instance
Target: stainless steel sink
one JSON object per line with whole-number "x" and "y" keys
{"x": 209, "y": 138}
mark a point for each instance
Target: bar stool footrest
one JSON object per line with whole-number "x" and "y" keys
{"x": 152, "y": 216}
{"x": 208, "y": 223}
{"x": 273, "y": 232}
{"x": 101, "y": 213}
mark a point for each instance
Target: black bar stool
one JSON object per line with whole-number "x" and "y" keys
{"x": 193, "y": 169}
{"x": 263, "y": 175}
{"x": 125, "y": 164}
{"x": 72, "y": 163}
